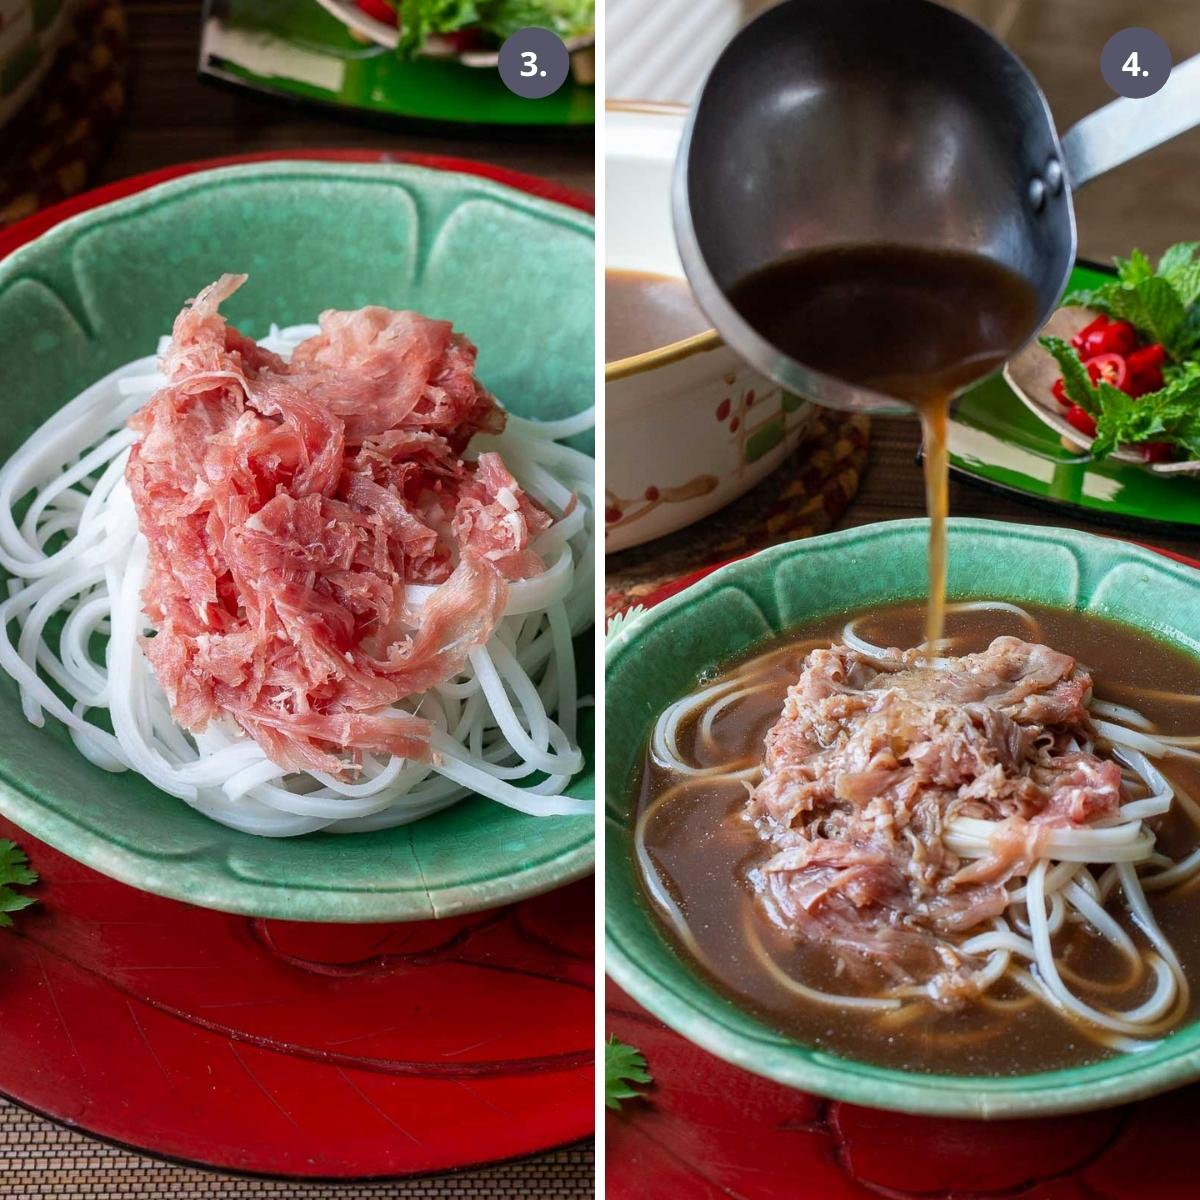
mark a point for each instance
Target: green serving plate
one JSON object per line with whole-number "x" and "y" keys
{"x": 294, "y": 48}
{"x": 657, "y": 656}
{"x": 99, "y": 289}
{"x": 996, "y": 441}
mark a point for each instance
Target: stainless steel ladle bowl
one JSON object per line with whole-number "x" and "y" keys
{"x": 833, "y": 122}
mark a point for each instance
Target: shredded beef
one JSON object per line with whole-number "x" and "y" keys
{"x": 287, "y": 507}
{"x": 870, "y": 761}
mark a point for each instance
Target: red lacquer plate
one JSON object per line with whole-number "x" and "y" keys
{"x": 706, "y": 1130}
{"x": 306, "y": 1050}
{"x": 303, "y": 1050}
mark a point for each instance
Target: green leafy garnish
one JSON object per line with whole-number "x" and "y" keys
{"x": 422, "y": 19}
{"x": 1076, "y": 382}
{"x": 567, "y": 18}
{"x": 1161, "y": 303}
{"x": 14, "y": 869}
{"x": 1172, "y": 414}
{"x": 623, "y": 1067}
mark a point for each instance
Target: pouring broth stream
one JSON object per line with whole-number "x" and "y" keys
{"x": 915, "y": 324}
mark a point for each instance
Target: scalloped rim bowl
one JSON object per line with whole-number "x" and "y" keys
{"x": 98, "y": 289}
{"x": 655, "y": 658}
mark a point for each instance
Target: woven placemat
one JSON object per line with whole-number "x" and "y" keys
{"x": 43, "y": 1161}
{"x": 804, "y": 496}
{"x": 55, "y": 141}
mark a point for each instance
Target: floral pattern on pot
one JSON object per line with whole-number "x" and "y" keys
{"x": 687, "y": 437}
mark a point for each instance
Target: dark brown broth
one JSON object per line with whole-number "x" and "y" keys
{"x": 915, "y": 324}
{"x": 704, "y": 848}
{"x": 643, "y": 311}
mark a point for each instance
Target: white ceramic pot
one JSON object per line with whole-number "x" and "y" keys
{"x": 688, "y": 426}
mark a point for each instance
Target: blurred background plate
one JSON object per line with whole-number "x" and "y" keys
{"x": 294, "y": 48}
{"x": 996, "y": 441}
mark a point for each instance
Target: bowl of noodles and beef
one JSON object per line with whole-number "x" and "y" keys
{"x": 955, "y": 878}
{"x": 296, "y": 535}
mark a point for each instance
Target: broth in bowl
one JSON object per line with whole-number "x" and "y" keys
{"x": 976, "y": 862}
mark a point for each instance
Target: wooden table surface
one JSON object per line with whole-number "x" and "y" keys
{"x": 172, "y": 117}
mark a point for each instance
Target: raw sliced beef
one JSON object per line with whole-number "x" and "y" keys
{"x": 870, "y": 761}
{"x": 288, "y": 506}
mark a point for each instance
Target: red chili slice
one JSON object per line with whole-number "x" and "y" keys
{"x": 1093, "y": 327}
{"x": 1142, "y": 359}
{"x": 380, "y": 10}
{"x": 1156, "y": 452}
{"x": 1146, "y": 381}
{"x": 1110, "y": 368}
{"x": 1082, "y": 420}
{"x": 462, "y": 40}
{"x": 1059, "y": 392}
{"x": 1119, "y": 337}
{"x": 1145, "y": 369}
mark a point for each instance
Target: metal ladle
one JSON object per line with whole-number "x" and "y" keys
{"x": 838, "y": 122}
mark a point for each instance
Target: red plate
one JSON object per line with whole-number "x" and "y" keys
{"x": 312, "y": 1051}
{"x": 706, "y": 1130}
{"x": 317, "y": 1051}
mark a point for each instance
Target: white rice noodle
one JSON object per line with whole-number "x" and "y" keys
{"x": 1157, "y": 747}
{"x": 1028, "y": 619}
{"x": 1063, "y": 889}
{"x": 70, "y": 627}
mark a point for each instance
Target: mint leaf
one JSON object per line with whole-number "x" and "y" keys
{"x": 1163, "y": 305}
{"x": 623, "y": 1067}
{"x": 1101, "y": 299}
{"x": 1114, "y": 421}
{"x": 1162, "y": 312}
{"x": 567, "y": 18}
{"x": 1172, "y": 414}
{"x": 1135, "y": 269}
{"x": 1176, "y": 257}
{"x": 14, "y": 871}
{"x": 1186, "y": 434}
{"x": 421, "y": 19}
{"x": 1186, "y": 282}
{"x": 1076, "y": 382}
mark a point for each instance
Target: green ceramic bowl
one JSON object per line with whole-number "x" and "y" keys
{"x": 514, "y": 272}
{"x": 655, "y": 658}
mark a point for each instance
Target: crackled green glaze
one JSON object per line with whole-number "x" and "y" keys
{"x": 99, "y": 290}
{"x": 657, "y": 657}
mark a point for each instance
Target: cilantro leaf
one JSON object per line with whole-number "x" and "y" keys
{"x": 14, "y": 870}
{"x": 623, "y": 1067}
{"x": 1076, "y": 382}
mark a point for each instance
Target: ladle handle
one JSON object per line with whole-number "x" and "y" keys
{"x": 1122, "y": 130}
